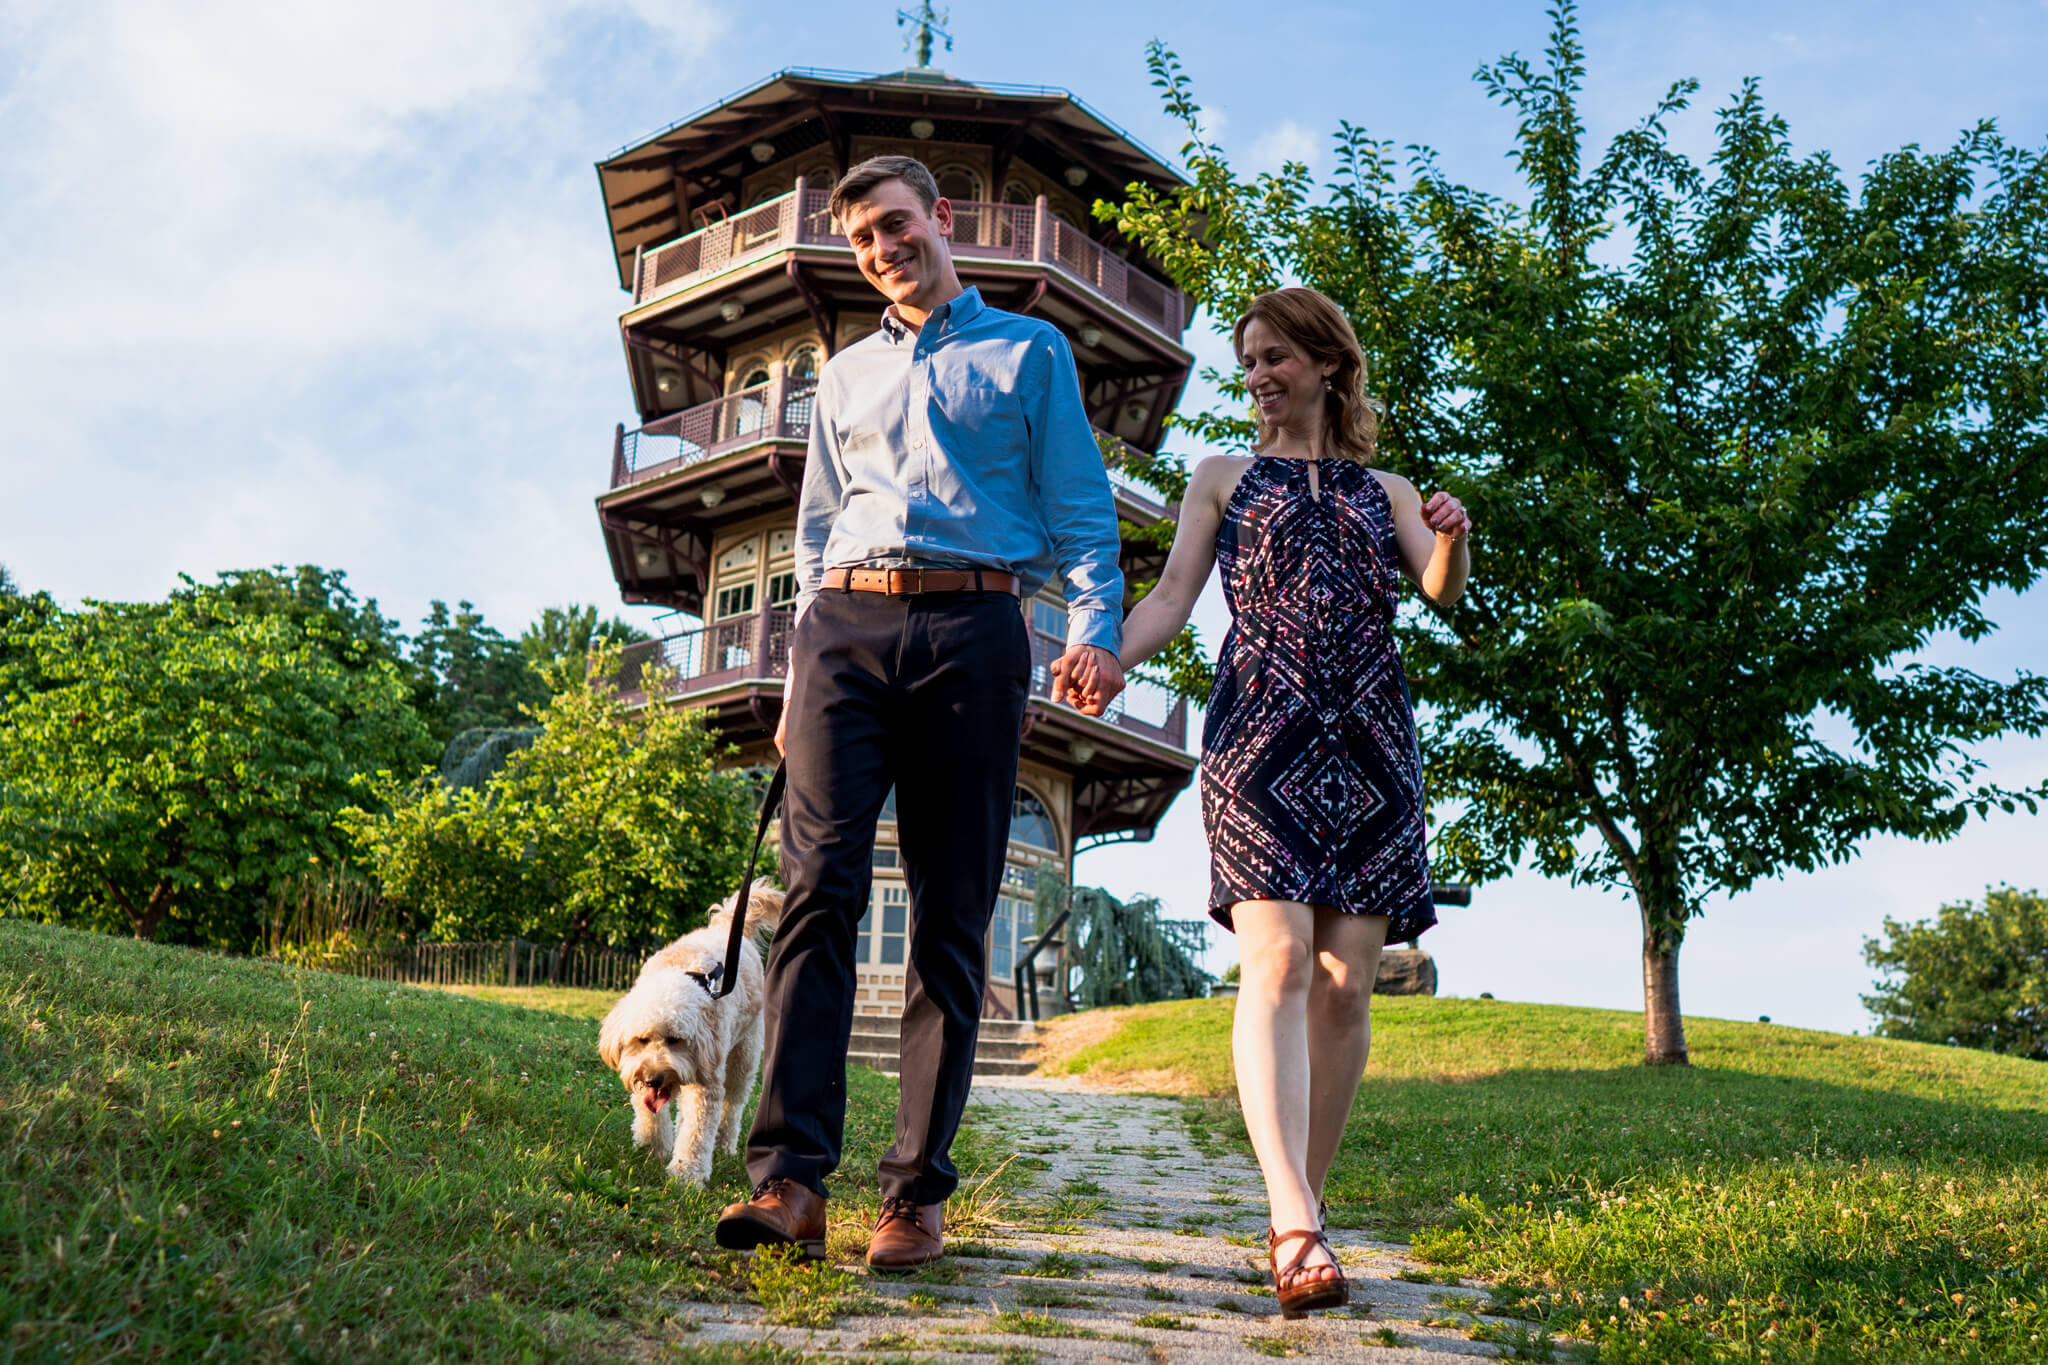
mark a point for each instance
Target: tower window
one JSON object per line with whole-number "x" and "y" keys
{"x": 1031, "y": 823}
{"x": 736, "y": 600}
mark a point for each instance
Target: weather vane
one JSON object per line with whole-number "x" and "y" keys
{"x": 928, "y": 23}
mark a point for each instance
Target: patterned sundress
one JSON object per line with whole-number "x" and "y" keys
{"x": 1311, "y": 776}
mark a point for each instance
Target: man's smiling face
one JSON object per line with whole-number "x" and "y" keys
{"x": 901, "y": 247}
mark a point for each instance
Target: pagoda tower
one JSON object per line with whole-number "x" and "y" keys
{"x": 740, "y": 287}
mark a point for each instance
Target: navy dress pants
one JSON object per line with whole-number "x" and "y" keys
{"x": 926, "y": 694}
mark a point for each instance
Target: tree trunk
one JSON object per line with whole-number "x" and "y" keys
{"x": 1663, "y": 1025}
{"x": 152, "y": 913}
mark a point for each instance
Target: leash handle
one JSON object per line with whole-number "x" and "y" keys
{"x": 731, "y": 975}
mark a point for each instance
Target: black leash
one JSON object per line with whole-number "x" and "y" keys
{"x": 730, "y": 975}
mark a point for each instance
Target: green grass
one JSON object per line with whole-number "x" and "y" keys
{"x": 1791, "y": 1197}
{"x": 221, "y": 1158}
{"x": 575, "y": 1001}
{"x": 1017, "y": 1324}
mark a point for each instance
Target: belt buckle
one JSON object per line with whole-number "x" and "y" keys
{"x": 917, "y": 591}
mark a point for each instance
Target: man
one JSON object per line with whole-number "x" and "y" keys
{"x": 951, "y": 470}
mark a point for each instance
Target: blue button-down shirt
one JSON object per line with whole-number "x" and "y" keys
{"x": 963, "y": 444}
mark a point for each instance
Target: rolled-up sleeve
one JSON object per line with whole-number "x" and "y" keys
{"x": 1072, "y": 490}
{"x": 823, "y": 490}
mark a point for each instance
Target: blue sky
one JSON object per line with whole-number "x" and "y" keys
{"x": 331, "y": 284}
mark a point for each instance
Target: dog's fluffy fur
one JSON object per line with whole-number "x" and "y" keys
{"x": 670, "y": 1040}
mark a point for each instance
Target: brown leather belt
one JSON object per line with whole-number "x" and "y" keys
{"x": 913, "y": 582}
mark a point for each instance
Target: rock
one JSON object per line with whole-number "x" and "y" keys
{"x": 1405, "y": 971}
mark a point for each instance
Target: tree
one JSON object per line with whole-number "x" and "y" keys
{"x": 318, "y": 604}
{"x": 175, "y": 762}
{"x": 1975, "y": 976}
{"x": 612, "y": 825}
{"x": 571, "y": 632}
{"x": 1738, "y": 439}
{"x": 468, "y": 675}
{"x": 21, "y": 614}
{"x": 1126, "y": 955}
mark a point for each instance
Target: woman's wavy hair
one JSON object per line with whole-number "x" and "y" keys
{"x": 1318, "y": 329}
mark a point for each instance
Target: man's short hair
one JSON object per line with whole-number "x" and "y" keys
{"x": 858, "y": 183}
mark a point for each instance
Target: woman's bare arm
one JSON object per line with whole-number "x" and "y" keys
{"x": 1431, "y": 536}
{"x": 1157, "y": 619}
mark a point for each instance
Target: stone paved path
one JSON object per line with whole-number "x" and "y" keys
{"x": 1127, "y": 1245}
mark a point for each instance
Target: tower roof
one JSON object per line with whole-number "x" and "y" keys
{"x": 651, "y": 186}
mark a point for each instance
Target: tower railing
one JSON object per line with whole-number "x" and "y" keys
{"x": 751, "y": 646}
{"x": 1016, "y": 232}
{"x": 779, "y": 410}
{"x": 756, "y": 646}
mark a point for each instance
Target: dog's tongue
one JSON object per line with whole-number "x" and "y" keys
{"x": 652, "y": 1099}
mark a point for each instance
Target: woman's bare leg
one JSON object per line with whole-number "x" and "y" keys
{"x": 1269, "y": 1042}
{"x": 1347, "y": 959}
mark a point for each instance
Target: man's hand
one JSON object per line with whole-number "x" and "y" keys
{"x": 1087, "y": 678}
{"x": 782, "y": 727}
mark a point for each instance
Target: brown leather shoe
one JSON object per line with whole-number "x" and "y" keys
{"x": 907, "y": 1235}
{"x": 780, "y": 1213}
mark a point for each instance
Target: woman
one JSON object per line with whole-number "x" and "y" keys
{"x": 1311, "y": 778}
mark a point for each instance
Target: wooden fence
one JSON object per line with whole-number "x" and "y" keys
{"x": 502, "y": 962}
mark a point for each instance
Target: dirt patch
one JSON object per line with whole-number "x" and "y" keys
{"x": 1061, "y": 1038}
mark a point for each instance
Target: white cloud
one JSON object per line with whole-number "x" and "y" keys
{"x": 1285, "y": 141}
{"x": 271, "y": 268}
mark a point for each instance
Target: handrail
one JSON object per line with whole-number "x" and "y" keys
{"x": 1024, "y": 973}
{"x": 779, "y": 410}
{"x": 1018, "y": 232}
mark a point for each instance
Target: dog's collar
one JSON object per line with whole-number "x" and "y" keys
{"x": 708, "y": 980}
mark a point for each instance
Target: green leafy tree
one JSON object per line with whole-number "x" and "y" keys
{"x": 178, "y": 761}
{"x": 21, "y": 614}
{"x": 613, "y": 825}
{"x": 570, "y": 633}
{"x": 1124, "y": 952}
{"x": 317, "y": 602}
{"x": 1739, "y": 439}
{"x": 468, "y": 675}
{"x": 1974, "y": 976}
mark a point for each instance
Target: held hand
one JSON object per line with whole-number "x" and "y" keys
{"x": 782, "y": 728}
{"x": 1094, "y": 678}
{"x": 1446, "y": 516}
{"x": 1064, "y": 686}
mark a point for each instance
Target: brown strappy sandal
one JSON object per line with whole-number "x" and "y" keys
{"x": 1298, "y": 1293}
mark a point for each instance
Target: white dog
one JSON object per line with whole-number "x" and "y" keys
{"x": 671, "y": 1038}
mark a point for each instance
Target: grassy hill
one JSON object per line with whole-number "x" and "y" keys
{"x": 1793, "y": 1196}
{"x": 208, "y": 1157}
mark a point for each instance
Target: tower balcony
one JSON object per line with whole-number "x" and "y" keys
{"x": 778, "y": 413}
{"x": 1029, "y": 237}
{"x": 678, "y": 482}
{"x": 755, "y": 648}
{"x": 1127, "y": 765}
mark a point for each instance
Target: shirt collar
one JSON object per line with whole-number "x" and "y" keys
{"x": 949, "y": 316}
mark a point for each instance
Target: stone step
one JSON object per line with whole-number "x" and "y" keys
{"x": 1003, "y": 1047}
{"x": 992, "y": 1030}
{"x": 984, "y": 1067}
{"x": 1004, "y": 1066}
{"x": 994, "y": 1048}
